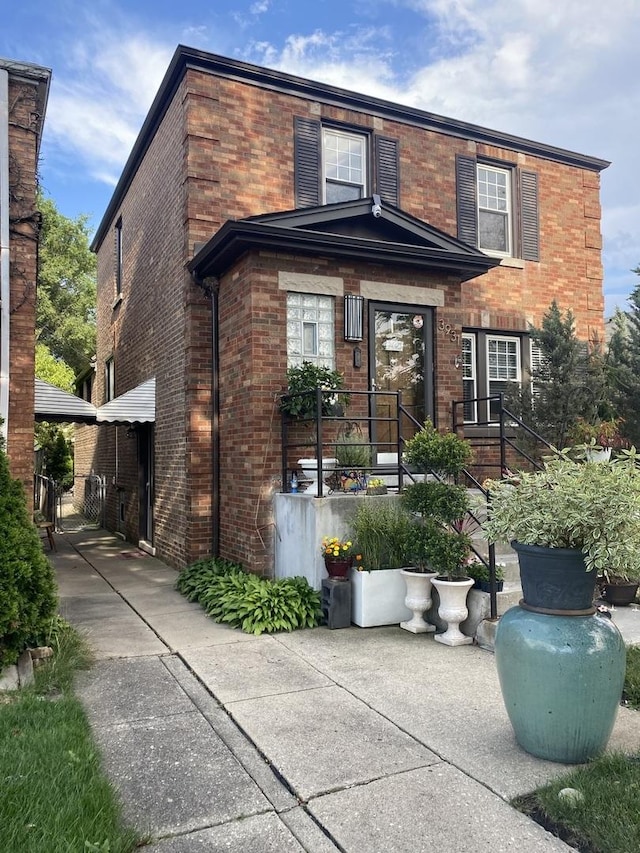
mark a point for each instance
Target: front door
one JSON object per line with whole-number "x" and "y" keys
{"x": 400, "y": 359}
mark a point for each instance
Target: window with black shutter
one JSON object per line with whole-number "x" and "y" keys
{"x": 335, "y": 164}
{"x": 497, "y": 208}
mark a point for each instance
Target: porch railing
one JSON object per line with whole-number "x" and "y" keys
{"x": 501, "y": 441}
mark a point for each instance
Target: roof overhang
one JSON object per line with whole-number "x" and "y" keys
{"x": 58, "y": 406}
{"x": 348, "y": 229}
{"x": 137, "y": 406}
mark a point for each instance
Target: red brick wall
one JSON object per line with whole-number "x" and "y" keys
{"x": 224, "y": 150}
{"x": 22, "y": 275}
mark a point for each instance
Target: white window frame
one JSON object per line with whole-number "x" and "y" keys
{"x": 346, "y": 179}
{"x": 518, "y": 363}
{"x": 315, "y": 313}
{"x": 496, "y": 206}
{"x": 470, "y": 374}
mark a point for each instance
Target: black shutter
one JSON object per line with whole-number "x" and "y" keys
{"x": 467, "y": 202}
{"x": 529, "y": 216}
{"x": 306, "y": 153}
{"x": 386, "y": 169}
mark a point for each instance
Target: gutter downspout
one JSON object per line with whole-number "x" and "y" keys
{"x": 5, "y": 290}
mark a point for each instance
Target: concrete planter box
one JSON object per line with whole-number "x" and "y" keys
{"x": 377, "y": 598}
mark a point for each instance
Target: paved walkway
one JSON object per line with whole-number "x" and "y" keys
{"x": 354, "y": 740}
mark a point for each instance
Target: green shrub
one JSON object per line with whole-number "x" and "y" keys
{"x": 442, "y": 453}
{"x": 253, "y": 604}
{"x": 444, "y": 502}
{"x": 302, "y": 381}
{"x": 381, "y": 529}
{"x": 439, "y": 548}
{"x": 28, "y": 599}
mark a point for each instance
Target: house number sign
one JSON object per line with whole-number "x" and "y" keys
{"x": 448, "y": 331}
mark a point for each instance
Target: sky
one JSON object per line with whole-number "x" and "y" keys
{"x": 562, "y": 72}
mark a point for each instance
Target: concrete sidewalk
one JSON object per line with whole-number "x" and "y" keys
{"x": 353, "y": 740}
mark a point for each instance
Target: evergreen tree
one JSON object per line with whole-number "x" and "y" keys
{"x": 624, "y": 366}
{"x": 568, "y": 383}
{"x": 27, "y": 584}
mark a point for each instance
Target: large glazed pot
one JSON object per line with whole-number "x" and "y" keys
{"x": 561, "y": 679}
{"x": 561, "y": 668}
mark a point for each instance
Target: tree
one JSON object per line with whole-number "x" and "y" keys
{"x": 623, "y": 363}
{"x": 27, "y": 583}
{"x": 66, "y": 311}
{"x": 53, "y": 370}
{"x": 568, "y": 383}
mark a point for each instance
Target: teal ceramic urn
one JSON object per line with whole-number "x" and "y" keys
{"x": 561, "y": 679}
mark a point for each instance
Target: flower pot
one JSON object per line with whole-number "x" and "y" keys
{"x": 453, "y": 609}
{"x": 603, "y": 455}
{"x": 376, "y": 490}
{"x": 554, "y": 580}
{"x": 377, "y": 598}
{"x": 561, "y": 679}
{"x": 418, "y": 600}
{"x": 485, "y": 586}
{"x": 338, "y": 568}
{"x": 619, "y": 594}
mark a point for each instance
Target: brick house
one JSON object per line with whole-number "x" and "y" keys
{"x": 24, "y": 90}
{"x": 253, "y": 207}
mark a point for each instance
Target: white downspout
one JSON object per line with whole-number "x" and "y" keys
{"x": 5, "y": 290}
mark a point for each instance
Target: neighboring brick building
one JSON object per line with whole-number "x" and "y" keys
{"x": 24, "y": 90}
{"x": 252, "y": 203}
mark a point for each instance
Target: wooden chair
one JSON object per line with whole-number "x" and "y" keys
{"x": 48, "y": 527}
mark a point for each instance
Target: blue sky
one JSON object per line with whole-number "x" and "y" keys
{"x": 564, "y": 72}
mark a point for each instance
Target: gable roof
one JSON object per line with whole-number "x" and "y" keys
{"x": 186, "y": 57}
{"x": 364, "y": 230}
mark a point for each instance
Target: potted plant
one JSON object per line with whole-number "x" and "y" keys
{"x": 376, "y": 486}
{"x": 353, "y": 453}
{"x": 303, "y": 380}
{"x": 597, "y": 440}
{"x": 479, "y": 570}
{"x": 381, "y": 529}
{"x": 440, "y": 544}
{"x": 561, "y": 668}
{"x": 338, "y": 555}
{"x": 619, "y": 590}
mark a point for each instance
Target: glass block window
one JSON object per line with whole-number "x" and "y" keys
{"x": 494, "y": 209}
{"x": 344, "y": 166}
{"x": 310, "y": 329}
{"x": 503, "y": 366}
{"x": 469, "y": 381}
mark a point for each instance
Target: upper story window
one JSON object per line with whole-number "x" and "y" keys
{"x": 494, "y": 210}
{"x": 109, "y": 380}
{"x": 118, "y": 258}
{"x": 334, "y": 164}
{"x": 344, "y": 166}
{"x": 497, "y": 208}
{"x": 310, "y": 329}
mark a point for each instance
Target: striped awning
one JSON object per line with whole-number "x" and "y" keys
{"x": 137, "y": 406}
{"x": 54, "y": 404}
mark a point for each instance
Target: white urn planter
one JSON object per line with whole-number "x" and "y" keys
{"x": 418, "y": 600}
{"x": 453, "y": 609}
{"x": 377, "y": 598}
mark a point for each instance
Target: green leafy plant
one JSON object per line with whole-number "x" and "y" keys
{"x": 381, "y": 529}
{"x": 435, "y": 547}
{"x": 444, "y": 454}
{"x": 598, "y": 435}
{"x": 479, "y": 571}
{"x": 442, "y": 501}
{"x": 255, "y": 605}
{"x": 590, "y": 506}
{"x": 303, "y": 380}
{"x": 353, "y": 450}
{"x": 28, "y": 598}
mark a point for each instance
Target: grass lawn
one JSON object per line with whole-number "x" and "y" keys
{"x": 54, "y": 797}
{"x": 606, "y": 817}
